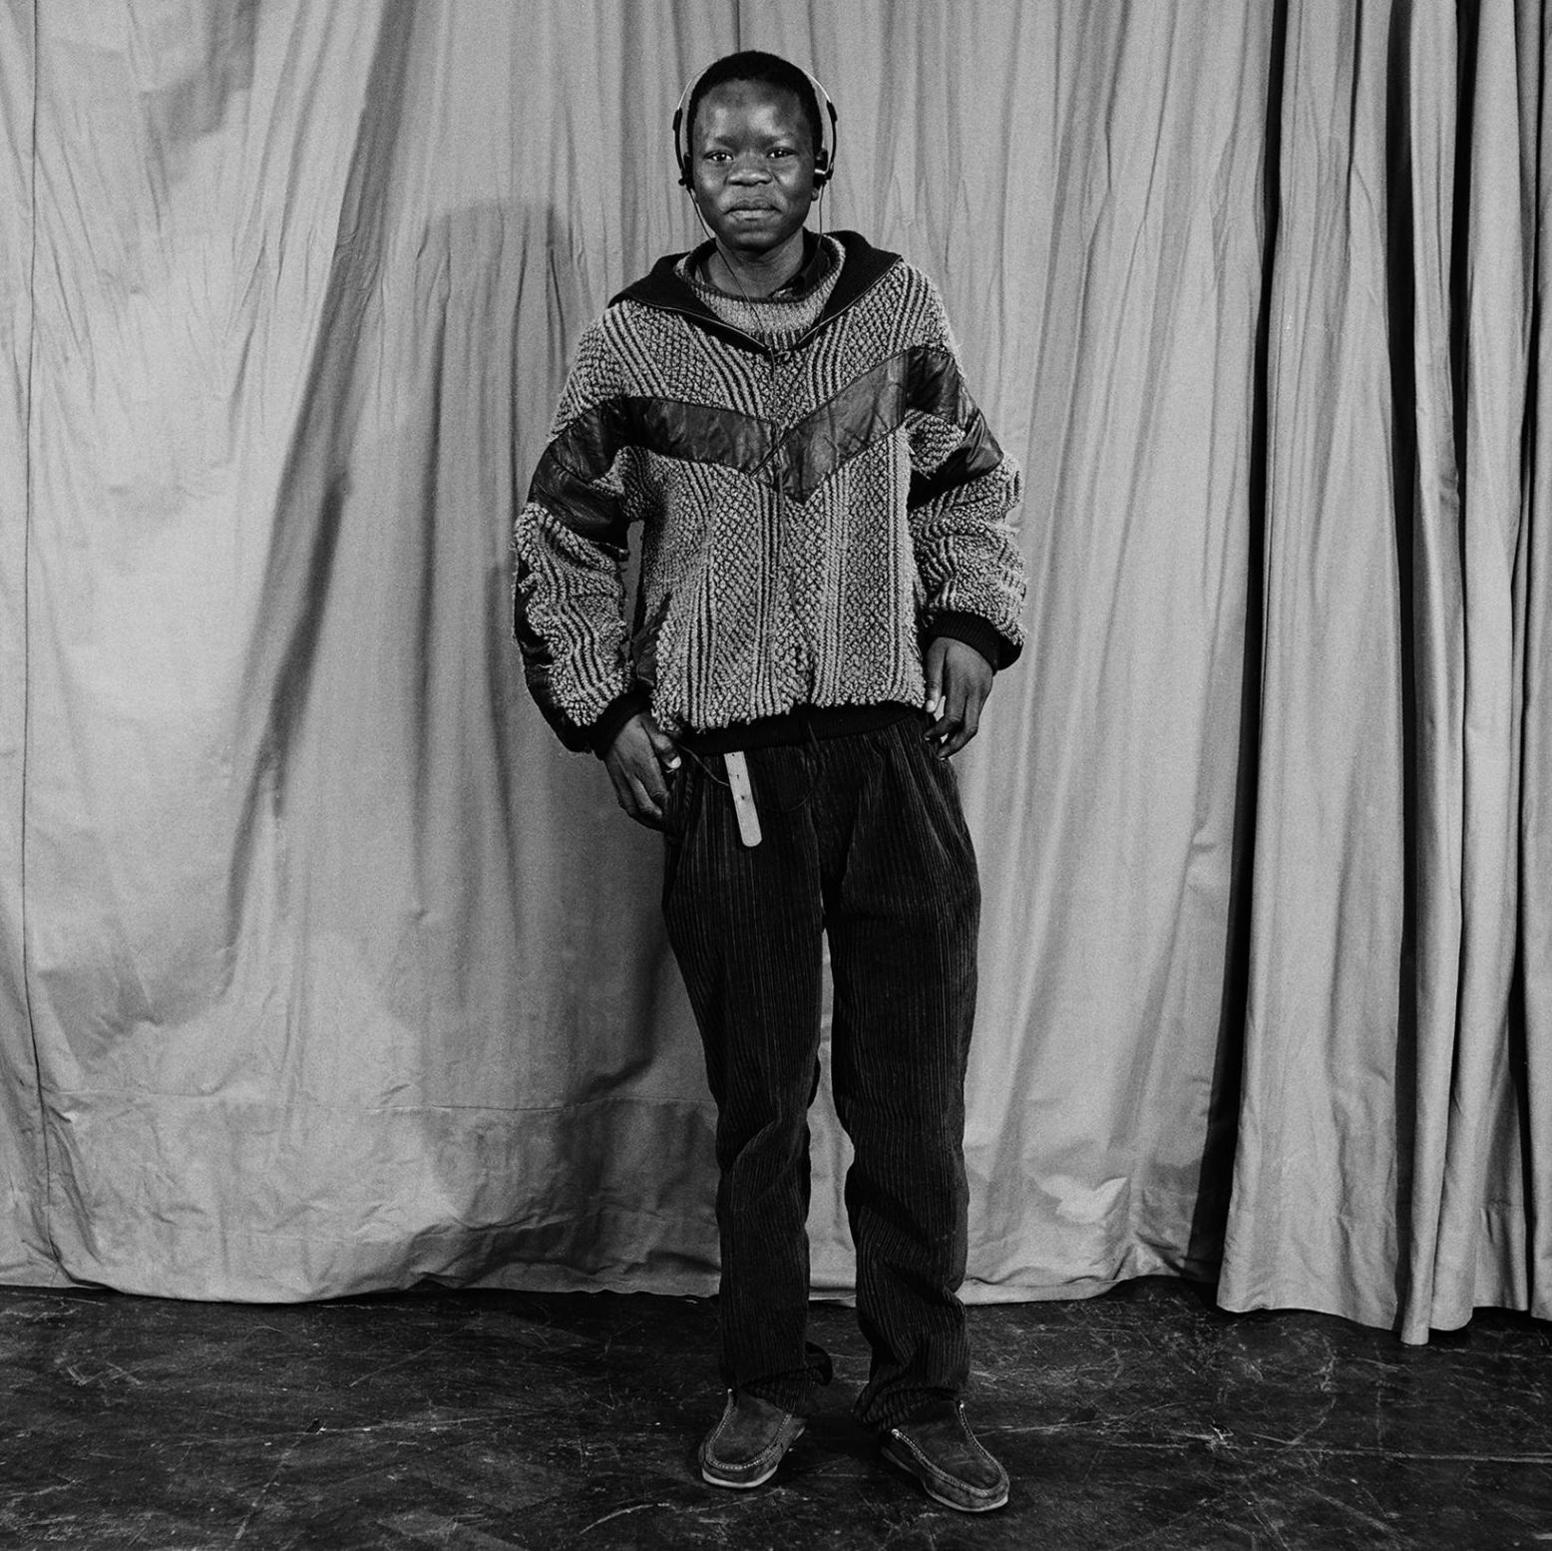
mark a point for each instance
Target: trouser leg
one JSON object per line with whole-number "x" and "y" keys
{"x": 745, "y": 925}
{"x": 902, "y": 924}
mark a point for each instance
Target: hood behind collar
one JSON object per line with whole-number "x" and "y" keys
{"x": 663, "y": 287}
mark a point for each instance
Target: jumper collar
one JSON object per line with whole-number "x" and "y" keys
{"x": 664, "y": 288}
{"x": 817, "y": 259}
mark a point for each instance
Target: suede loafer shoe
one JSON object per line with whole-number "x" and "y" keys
{"x": 943, "y": 1454}
{"x": 746, "y": 1446}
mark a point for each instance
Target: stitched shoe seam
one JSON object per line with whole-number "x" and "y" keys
{"x": 774, "y": 1449}
{"x": 944, "y": 1479}
{"x": 977, "y": 1449}
{"x": 938, "y": 1472}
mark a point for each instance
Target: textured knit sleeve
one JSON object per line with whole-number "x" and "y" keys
{"x": 569, "y": 551}
{"x": 964, "y": 490}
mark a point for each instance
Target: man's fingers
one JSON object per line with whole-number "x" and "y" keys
{"x": 634, "y": 797}
{"x": 636, "y": 770}
{"x": 954, "y": 722}
{"x": 649, "y": 791}
{"x": 932, "y": 671}
{"x": 948, "y": 720}
{"x": 663, "y": 746}
{"x": 951, "y": 708}
{"x": 625, "y": 792}
{"x": 966, "y": 682}
{"x": 646, "y": 809}
{"x": 968, "y": 727}
{"x": 621, "y": 784}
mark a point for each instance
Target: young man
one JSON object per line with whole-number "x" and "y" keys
{"x": 828, "y": 581}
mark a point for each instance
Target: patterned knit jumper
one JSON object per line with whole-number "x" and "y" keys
{"x": 778, "y": 321}
{"x": 817, "y": 492}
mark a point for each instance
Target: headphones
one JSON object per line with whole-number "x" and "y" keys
{"x": 824, "y": 160}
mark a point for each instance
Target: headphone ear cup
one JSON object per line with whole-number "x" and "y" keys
{"x": 681, "y": 153}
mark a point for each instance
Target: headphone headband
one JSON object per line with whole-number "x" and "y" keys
{"x": 824, "y": 160}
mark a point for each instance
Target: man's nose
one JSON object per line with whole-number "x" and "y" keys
{"x": 750, "y": 169}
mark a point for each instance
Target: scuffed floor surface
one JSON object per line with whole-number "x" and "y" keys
{"x": 494, "y": 1420}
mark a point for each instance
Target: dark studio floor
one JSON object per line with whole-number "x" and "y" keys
{"x": 490, "y": 1420}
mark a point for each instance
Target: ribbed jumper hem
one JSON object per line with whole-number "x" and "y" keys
{"x": 797, "y": 726}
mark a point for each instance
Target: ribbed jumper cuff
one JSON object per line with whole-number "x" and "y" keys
{"x": 617, "y": 713}
{"x": 974, "y": 631}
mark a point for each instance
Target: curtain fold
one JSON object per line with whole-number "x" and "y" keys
{"x": 1482, "y": 1204}
{"x": 1531, "y": 993}
{"x": 25, "y": 1253}
{"x": 322, "y": 968}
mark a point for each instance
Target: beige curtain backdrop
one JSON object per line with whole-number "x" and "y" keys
{"x": 324, "y": 969}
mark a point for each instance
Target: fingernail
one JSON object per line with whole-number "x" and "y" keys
{"x": 673, "y": 764}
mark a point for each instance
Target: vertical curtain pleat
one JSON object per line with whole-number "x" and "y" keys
{"x": 25, "y": 1253}
{"x": 1531, "y": 1029}
{"x": 1313, "y": 1217}
{"x": 1480, "y": 1253}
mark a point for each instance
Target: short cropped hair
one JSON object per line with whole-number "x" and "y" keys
{"x": 751, "y": 64}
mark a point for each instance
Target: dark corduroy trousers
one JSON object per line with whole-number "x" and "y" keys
{"x": 863, "y": 843}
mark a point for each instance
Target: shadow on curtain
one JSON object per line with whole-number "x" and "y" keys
{"x": 323, "y": 969}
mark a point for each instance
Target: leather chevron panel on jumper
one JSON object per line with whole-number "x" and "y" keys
{"x": 586, "y": 450}
{"x": 866, "y": 410}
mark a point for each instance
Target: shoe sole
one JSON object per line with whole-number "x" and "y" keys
{"x": 902, "y": 1460}
{"x": 737, "y": 1486}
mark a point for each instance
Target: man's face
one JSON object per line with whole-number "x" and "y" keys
{"x": 752, "y": 165}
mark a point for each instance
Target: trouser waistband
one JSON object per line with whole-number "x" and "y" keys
{"x": 797, "y": 726}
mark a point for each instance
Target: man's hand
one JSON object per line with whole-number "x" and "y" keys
{"x": 639, "y": 761}
{"x": 959, "y": 679}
